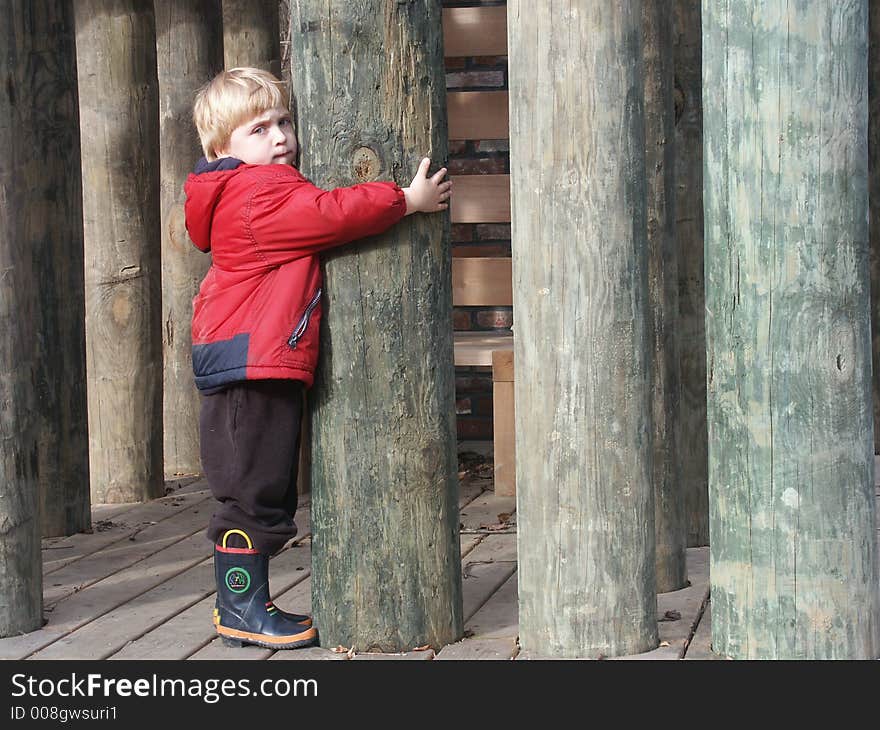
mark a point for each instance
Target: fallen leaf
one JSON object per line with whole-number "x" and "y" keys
{"x": 670, "y": 616}
{"x": 339, "y": 649}
{"x": 664, "y": 643}
{"x": 423, "y": 648}
{"x": 504, "y": 516}
{"x": 351, "y": 652}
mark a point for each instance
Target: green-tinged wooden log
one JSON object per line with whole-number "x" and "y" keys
{"x": 669, "y": 500}
{"x": 386, "y": 556}
{"x": 53, "y": 221}
{"x": 21, "y": 125}
{"x": 251, "y": 34}
{"x": 874, "y": 197}
{"x": 689, "y": 239}
{"x": 794, "y": 565}
{"x": 189, "y": 45}
{"x": 582, "y": 347}
{"x": 119, "y": 119}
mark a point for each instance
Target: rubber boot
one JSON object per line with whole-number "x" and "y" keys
{"x": 244, "y": 614}
{"x": 296, "y": 617}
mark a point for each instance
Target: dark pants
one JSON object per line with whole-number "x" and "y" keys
{"x": 250, "y": 454}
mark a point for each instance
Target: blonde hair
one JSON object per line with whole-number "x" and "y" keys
{"x": 230, "y": 99}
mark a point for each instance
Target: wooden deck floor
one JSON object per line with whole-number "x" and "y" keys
{"x": 141, "y": 586}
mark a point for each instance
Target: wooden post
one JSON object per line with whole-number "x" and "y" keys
{"x": 386, "y": 558}
{"x": 251, "y": 35}
{"x": 189, "y": 43}
{"x": 794, "y": 568}
{"x": 669, "y": 499}
{"x": 24, "y": 125}
{"x": 583, "y": 434}
{"x": 54, "y": 232}
{"x": 874, "y": 197}
{"x": 689, "y": 237}
{"x": 119, "y": 113}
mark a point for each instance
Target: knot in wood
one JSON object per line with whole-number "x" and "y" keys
{"x": 366, "y": 165}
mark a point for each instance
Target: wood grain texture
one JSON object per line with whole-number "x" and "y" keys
{"x": 874, "y": 199}
{"x": 189, "y": 52}
{"x": 584, "y": 489}
{"x": 479, "y": 281}
{"x": 251, "y": 34}
{"x": 794, "y": 565}
{"x": 119, "y": 113}
{"x": 689, "y": 237}
{"x": 478, "y": 114}
{"x": 481, "y": 199}
{"x": 52, "y": 225}
{"x": 475, "y": 31}
{"x": 369, "y": 81}
{"x": 21, "y": 603}
{"x": 669, "y": 499}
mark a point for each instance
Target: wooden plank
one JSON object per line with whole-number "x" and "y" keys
{"x": 476, "y": 348}
{"x": 475, "y": 31}
{"x": 504, "y": 438}
{"x": 489, "y": 509}
{"x": 498, "y": 618}
{"x": 481, "y": 199}
{"x": 487, "y": 567}
{"x": 63, "y": 551}
{"x": 491, "y": 649}
{"x": 97, "y": 566}
{"x": 502, "y": 366}
{"x": 310, "y": 653}
{"x": 190, "y": 629}
{"x": 480, "y": 280}
{"x": 110, "y": 632}
{"x": 687, "y": 603}
{"x": 478, "y": 114}
{"x": 106, "y": 595}
{"x": 426, "y": 655}
{"x": 700, "y": 647}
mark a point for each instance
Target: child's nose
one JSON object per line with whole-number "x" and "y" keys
{"x": 278, "y": 134}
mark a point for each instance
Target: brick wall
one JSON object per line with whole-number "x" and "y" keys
{"x": 473, "y": 386}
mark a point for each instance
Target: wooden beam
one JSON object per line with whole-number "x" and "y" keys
{"x": 481, "y": 281}
{"x": 189, "y": 51}
{"x": 791, "y": 495}
{"x": 384, "y": 471}
{"x": 477, "y": 114}
{"x": 475, "y": 31}
{"x": 586, "y": 586}
{"x": 481, "y": 199}
{"x": 119, "y": 100}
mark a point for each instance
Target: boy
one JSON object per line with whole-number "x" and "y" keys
{"x": 255, "y": 327}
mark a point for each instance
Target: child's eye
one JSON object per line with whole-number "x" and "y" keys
{"x": 258, "y": 130}
{"x": 284, "y": 123}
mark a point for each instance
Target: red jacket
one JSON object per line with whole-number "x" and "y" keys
{"x": 257, "y": 312}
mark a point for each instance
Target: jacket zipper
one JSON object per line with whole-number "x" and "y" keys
{"x": 303, "y": 323}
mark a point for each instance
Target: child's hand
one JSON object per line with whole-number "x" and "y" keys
{"x": 427, "y": 194}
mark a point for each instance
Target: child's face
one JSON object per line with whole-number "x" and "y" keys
{"x": 267, "y": 139}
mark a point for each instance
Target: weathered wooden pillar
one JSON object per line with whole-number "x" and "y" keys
{"x": 583, "y": 427}
{"x": 794, "y": 564}
{"x": 21, "y": 599}
{"x": 119, "y": 115}
{"x": 189, "y": 44}
{"x": 669, "y": 499}
{"x": 53, "y": 221}
{"x": 874, "y": 197}
{"x": 689, "y": 239}
{"x": 251, "y": 34}
{"x": 386, "y": 558}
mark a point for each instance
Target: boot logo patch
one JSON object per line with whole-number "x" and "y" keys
{"x": 238, "y": 580}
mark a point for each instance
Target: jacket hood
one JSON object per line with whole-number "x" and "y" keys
{"x": 203, "y": 189}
